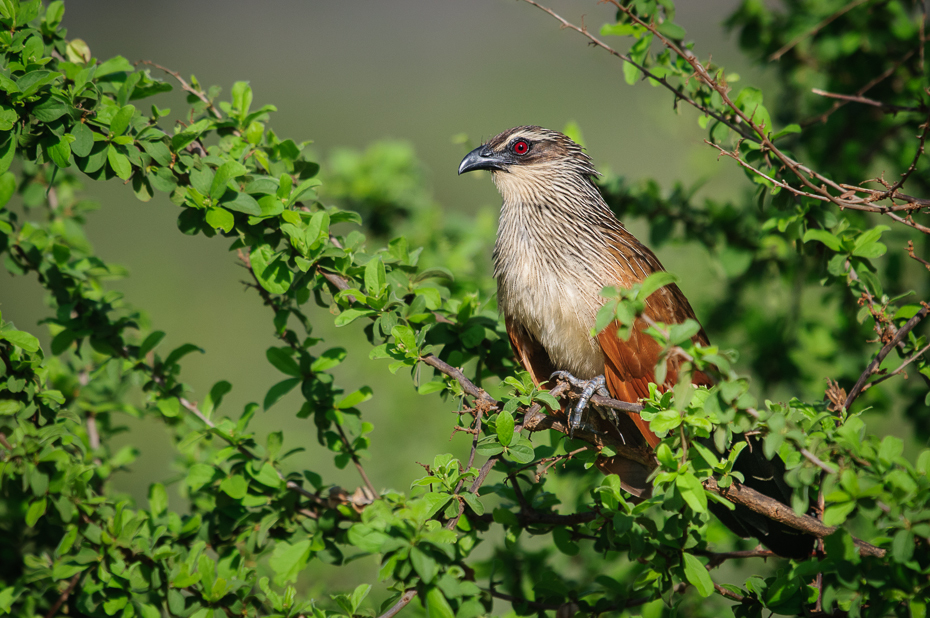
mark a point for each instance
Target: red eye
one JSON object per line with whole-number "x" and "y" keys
{"x": 520, "y": 147}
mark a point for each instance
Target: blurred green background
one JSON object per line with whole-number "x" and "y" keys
{"x": 346, "y": 74}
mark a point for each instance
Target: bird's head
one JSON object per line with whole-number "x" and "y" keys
{"x": 534, "y": 165}
{"x": 528, "y": 148}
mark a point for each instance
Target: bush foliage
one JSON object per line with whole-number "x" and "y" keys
{"x": 824, "y": 281}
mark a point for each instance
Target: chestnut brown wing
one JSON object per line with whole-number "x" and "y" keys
{"x": 629, "y": 365}
{"x": 530, "y": 353}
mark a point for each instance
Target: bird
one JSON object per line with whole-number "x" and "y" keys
{"x": 558, "y": 246}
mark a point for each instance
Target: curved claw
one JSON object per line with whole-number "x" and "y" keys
{"x": 588, "y": 388}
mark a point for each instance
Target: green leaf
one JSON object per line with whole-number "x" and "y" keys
{"x": 199, "y": 475}
{"x": 267, "y": 475}
{"x": 283, "y": 360}
{"x": 158, "y": 499}
{"x": 749, "y": 101}
{"x": 473, "y": 502}
{"x": 350, "y": 315}
{"x": 31, "y": 82}
{"x": 8, "y": 117}
{"x": 119, "y": 163}
{"x": 21, "y": 339}
{"x": 224, "y": 173}
{"x": 423, "y": 564}
{"x": 328, "y": 359}
{"x": 890, "y": 449}
{"x": 271, "y": 269}
{"x": 374, "y": 277}
{"x": 823, "y": 236}
{"x": 170, "y": 407}
{"x": 692, "y": 491}
{"x": 521, "y": 451}
{"x": 241, "y": 98}
{"x": 241, "y": 202}
{"x": 655, "y": 281}
{"x": 59, "y": 151}
{"x": 697, "y": 575}
{"x": 121, "y": 120}
{"x": 505, "y": 428}
{"x": 836, "y": 514}
{"x": 117, "y": 64}
{"x": 350, "y": 401}
{"x": 54, "y": 13}
{"x": 436, "y": 604}
{"x": 303, "y": 188}
{"x": 35, "y": 511}
{"x": 671, "y": 30}
{"x": 280, "y": 390}
{"x": 288, "y": 560}
{"x": 236, "y": 487}
{"x": 220, "y": 218}
{"x": 665, "y": 421}
{"x": 788, "y": 130}
{"x": 7, "y": 187}
{"x": 83, "y": 139}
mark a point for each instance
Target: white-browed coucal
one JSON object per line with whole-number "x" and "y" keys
{"x": 558, "y": 245}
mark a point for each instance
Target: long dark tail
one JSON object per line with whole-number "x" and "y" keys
{"x": 767, "y": 476}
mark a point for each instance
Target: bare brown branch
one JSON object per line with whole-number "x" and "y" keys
{"x": 53, "y": 611}
{"x": 855, "y": 98}
{"x": 185, "y": 86}
{"x": 877, "y": 361}
{"x": 773, "y": 509}
{"x": 401, "y": 604}
{"x": 868, "y": 86}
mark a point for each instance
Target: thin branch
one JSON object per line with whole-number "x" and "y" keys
{"x": 868, "y": 86}
{"x": 527, "y": 602}
{"x": 921, "y": 140}
{"x": 820, "y": 26}
{"x": 897, "y": 371}
{"x": 678, "y": 94}
{"x": 855, "y": 98}
{"x": 401, "y": 604}
{"x": 718, "y": 558}
{"x": 356, "y": 461}
{"x": 726, "y": 593}
{"x": 910, "y": 252}
{"x": 93, "y": 436}
{"x": 777, "y": 511}
{"x": 760, "y": 133}
{"x": 185, "y": 86}
{"x": 877, "y": 361}
{"x": 63, "y": 597}
{"x": 818, "y": 462}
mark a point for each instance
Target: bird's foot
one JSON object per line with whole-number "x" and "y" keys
{"x": 588, "y": 388}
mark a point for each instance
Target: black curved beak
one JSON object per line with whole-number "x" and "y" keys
{"x": 481, "y": 158}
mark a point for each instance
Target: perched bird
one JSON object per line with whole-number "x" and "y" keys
{"x": 558, "y": 245}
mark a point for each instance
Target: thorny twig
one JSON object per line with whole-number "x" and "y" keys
{"x": 756, "y": 133}
{"x": 185, "y": 86}
{"x": 910, "y": 252}
{"x": 877, "y": 361}
{"x": 897, "y": 371}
